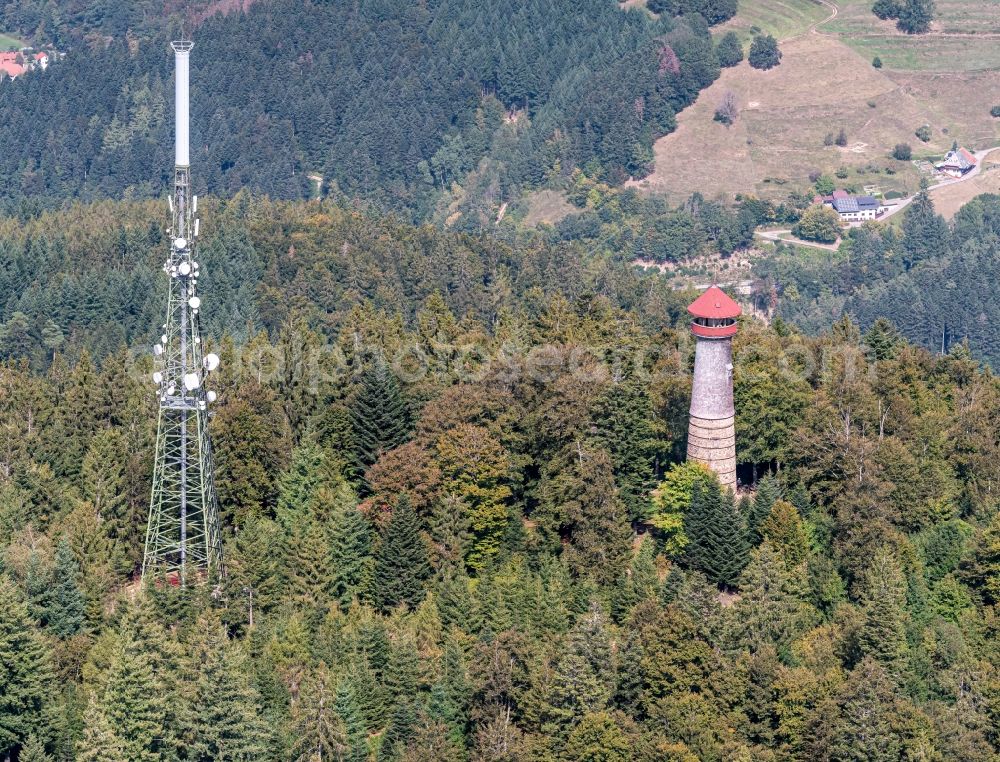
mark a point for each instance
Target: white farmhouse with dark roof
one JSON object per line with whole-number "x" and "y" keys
{"x": 853, "y": 208}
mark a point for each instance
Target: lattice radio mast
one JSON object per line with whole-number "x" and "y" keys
{"x": 182, "y": 536}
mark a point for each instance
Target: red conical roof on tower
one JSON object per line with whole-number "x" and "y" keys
{"x": 714, "y": 304}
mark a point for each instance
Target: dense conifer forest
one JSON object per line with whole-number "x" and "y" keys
{"x": 930, "y": 277}
{"x": 457, "y": 520}
{"x": 393, "y": 102}
{"x": 457, "y": 524}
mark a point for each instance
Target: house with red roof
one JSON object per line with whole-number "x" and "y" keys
{"x": 15, "y": 63}
{"x": 958, "y": 163}
{"x": 12, "y": 64}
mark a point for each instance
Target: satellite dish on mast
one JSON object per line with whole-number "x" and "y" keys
{"x": 180, "y": 243}
{"x": 191, "y": 381}
{"x": 211, "y": 362}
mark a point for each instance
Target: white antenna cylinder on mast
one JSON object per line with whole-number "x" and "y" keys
{"x": 182, "y": 59}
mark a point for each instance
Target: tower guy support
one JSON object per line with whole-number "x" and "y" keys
{"x": 711, "y": 428}
{"x": 183, "y": 536}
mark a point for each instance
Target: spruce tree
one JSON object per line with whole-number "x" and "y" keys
{"x": 925, "y": 233}
{"x": 402, "y": 671}
{"x": 37, "y": 586}
{"x": 133, "y": 701}
{"x": 105, "y": 482}
{"x": 985, "y": 568}
{"x": 26, "y": 680}
{"x": 783, "y": 528}
{"x": 370, "y": 694}
{"x": 99, "y": 742}
{"x": 717, "y": 542}
{"x": 770, "y": 607}
{"x": 308, "y": 487}
{"x": 33, "y": 751}
{"x": 883, "y": 633}
{"x": 623, "y": 419}
{"x": 768, "y": 493}
{"x": 350, "y": 555}
{"x": 355, "y": 734}
{"x": 255, "y": 566}
{"x": 401, "y": 560}
{"x": 223, "y": 717}
{"x": 309, "y": 564}
{"x": 870, "y": 727}
{"x": 450, "y": 697}
{"x": 66, "y": 606}
{"x": 628, "y": 676}
{"x": 379, "y": 414}
{"x": 315, "y": 725}
{"x": 883, "y": 338}
{"x": 399, "y": 732}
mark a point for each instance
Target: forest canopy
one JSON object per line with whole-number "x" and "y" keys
{"x": 493, "y": 553}
{"x": 392, "y": 102}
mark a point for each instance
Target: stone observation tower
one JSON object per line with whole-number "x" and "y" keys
{"x": 712, "y": 431}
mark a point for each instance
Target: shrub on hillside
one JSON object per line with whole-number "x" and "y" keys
{"x": 728, "y": 109}
{"x": 764, "y": 53}
{"x": 915, "y": 16}
{"x": 818, "y": 223}
{"x": 841, "y": 138}
{"x": 923, "y": 133}
{"x": 729, "y": 50}
{"x": 995, "y": 111}
{"x": 842, "y": 173}
{"x": 902, "y": 152}
{"x": 877, "y": 62}
{"x": 825, "y": 185}
{"x": 887, "y": 9}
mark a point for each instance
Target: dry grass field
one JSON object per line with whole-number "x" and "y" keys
{"x": 962, "y": 37}
{"x": 820, "y": 87}
{"x": 782, "y": 18}
{"x": 826, "y": 82}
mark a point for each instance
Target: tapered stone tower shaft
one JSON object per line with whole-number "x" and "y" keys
{"x": 182, "y": 535}
{"x": 712, "y": 426}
